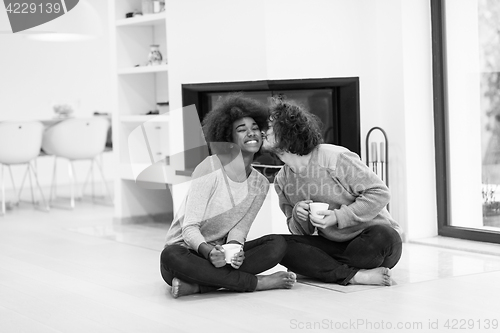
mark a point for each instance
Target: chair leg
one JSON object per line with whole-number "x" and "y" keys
{"x": 53, "y": 198}
{"x": 92, "y": 180}
{"x": 99, "y": 163}
{"x": 86, "y": 181}
{"x": 17, "y": 193}
{"x": 99, "y": 167}
{"x": 78, "y": 195}
{"x": 21, "y": 187}
{"x": 4, "y": 204}
{"x": 74, "y": 189}
{"x": 31, "y": 185}
{"x": 35, "y": 175}
{"x": 72, "y": 183}
{"x": 53, "y": 184}
{"x": 3, "y": 192}
{"x": 14, "y": 185}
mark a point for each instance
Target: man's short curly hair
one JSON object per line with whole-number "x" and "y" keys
{"x": 218, "y": 123}
{"x": 296, "y": 130}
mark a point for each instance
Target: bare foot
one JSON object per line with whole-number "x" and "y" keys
{"x": 380, "y": 276}
{"x": 181, "y": 288}
{"x": 278, "y": 280}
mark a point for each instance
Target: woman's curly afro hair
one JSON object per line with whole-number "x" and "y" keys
{"x": 218, "y": 123}
{"x": 296, "y": 130}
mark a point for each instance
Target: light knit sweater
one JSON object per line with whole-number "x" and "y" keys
{"x": 338, "y": 177}
{"x": 216, "y": 209}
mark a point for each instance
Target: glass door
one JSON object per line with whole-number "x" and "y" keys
{"x": 466, "y": 39}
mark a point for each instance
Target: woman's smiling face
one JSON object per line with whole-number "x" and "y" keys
{"x": 246, "y": 134}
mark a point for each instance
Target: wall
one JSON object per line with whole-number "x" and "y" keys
{"x": 386, "y": 43}
{"x": 35, "y": 74}
{"x": 420, "y": 175}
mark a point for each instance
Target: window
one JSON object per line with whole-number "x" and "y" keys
{"x": 466, "y": 72}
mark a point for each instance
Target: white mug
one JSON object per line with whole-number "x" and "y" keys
{"x": 230, "y": 250}
{"x": 316, "y": 207}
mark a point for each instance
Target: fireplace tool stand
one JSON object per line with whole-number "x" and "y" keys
{"x": 377, "y": 154}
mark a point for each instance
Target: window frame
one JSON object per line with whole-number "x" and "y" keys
{"x": 439, "y": 74}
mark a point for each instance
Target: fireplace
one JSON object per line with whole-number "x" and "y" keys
{"x": 334, "y": 100}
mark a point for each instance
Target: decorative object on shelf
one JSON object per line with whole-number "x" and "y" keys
{"x": 64, "y": 109}
{"x": 154, "y": 57}
{"x": 158, "y": 6}
{"x": 147, "y": 7}
{"x": 163, "y": 107}
{"x": 377, "y": 154}
{"x": 133, "y": 14}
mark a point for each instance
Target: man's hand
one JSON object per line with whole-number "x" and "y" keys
{"x": 329, "y": 219}
{"x": 302, "y": 210}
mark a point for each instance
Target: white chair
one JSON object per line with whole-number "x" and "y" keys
{"x": 20, "y": 143}
{"x": 77, "y": 139}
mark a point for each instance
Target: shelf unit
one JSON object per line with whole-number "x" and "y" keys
{"x": 142, "y": 118}
{"x": 146, "y": 20}
{"x": 140, "y": 140}
{"x": 142, "y": 69}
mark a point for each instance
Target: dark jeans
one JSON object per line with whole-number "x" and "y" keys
{"x": 338, "y": 262}
{"x": 260, "y": 255}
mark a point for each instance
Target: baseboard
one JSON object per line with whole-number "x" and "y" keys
{"x": 143, "y": 219}
{"x": 62, "y": 189}
{"x": 460, "y": 245}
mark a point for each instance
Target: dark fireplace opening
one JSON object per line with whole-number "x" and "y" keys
{"x": 334, "y": 100}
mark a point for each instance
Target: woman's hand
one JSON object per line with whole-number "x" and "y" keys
{"x": 238, "y": 258}
{"x": 302, "y": 210}
{"x": 216, "y": 256}
{"x": 329, "y": 219}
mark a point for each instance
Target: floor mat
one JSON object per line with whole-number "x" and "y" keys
{"x": 336, "y": 287}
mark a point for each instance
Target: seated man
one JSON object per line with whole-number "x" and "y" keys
{"x": 356, "y": 241}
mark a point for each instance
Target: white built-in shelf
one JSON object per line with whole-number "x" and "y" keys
{"x": 132, "y": 38}
{"x": 145, "y": 20}
{"x": 143, "y": 69}
{"x": 156, "y": 174}
{"x": 143, "y": 118}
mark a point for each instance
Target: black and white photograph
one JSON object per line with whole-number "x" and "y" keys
{"x": 249, "y": 166}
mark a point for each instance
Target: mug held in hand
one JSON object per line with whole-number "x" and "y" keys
{"x": 230, "y": 250}
{"x": 315, "y": 207}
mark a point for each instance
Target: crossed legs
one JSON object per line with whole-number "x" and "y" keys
{"x": 366, "y": 259}
{"x": 188, "y": 272}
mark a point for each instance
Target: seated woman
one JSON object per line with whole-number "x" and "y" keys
{"x": 355, "y": 240}
{"x": 224, "y": 197}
